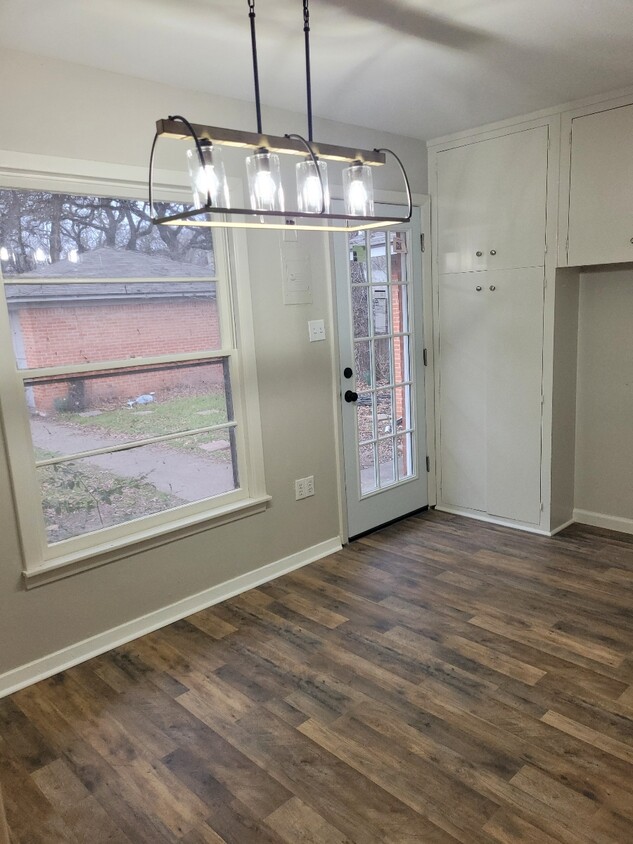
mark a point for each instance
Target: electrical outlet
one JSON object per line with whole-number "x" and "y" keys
{"x": 316, "y": 330}
{"x": 304, "y": 487}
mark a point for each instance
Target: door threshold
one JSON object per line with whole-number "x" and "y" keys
{"x": 387, "y": 524}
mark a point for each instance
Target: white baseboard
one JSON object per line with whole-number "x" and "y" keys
{"x": 493, "y": 520}
{"x": 39, "y": 669}
{"x": 602, "y": 520}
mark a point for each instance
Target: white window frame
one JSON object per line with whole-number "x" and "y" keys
{"x": 42, "y": 562}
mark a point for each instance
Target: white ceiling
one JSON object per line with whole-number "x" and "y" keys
{"x": 416, "y": 67}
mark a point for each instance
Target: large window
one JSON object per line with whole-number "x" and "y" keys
{"x": 121, "y": 401}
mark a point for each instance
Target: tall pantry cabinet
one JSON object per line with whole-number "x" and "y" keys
{"x": 490, "y": 215}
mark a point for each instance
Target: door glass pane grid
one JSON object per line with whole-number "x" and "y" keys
{"x": 381, "y": 323}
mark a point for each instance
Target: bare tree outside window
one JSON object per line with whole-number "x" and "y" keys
{"x": 40, "y": 229}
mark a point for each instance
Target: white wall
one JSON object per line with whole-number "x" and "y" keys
{"x": 565, "y": 356}
{"x": 604, "y": 422}
{"x": 66, "y": 110}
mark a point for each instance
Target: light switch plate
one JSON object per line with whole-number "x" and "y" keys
{"x": 297, "y": 274}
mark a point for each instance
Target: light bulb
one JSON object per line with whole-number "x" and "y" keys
{"x": 357, "y": 197}
{"x": 358, "y": 190}
{"x": 264, "y": 187}
{"x": 264, "y": 181}
{"x": 208, "y": 182}
{"x": 310, "y": 196}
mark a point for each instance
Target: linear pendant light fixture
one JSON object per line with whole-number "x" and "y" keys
{"x": 211, "y": 200}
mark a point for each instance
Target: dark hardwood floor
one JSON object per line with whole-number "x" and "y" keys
{"x": 442, "y": 680}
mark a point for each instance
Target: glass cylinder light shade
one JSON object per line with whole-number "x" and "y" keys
{"x": 208, "y": 182}
{"x": 358, "y": 190}
{"x": 264, "y": 181}
{"x": 310, "y": 197}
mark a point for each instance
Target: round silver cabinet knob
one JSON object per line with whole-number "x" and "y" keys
{"x": 478, "y": 288}
{"x": 479, "y": 254}
{"x": 492, "y": 287}
{"x": 493, "y": 251}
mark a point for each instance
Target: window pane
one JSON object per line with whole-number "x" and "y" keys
{"x": 99, "y": 410}
{"x": 382, "y": 362}
{"x": 57, "y": 324}
{"x": 398, "y": 248}
{"x": 400, "y": 308}
{"x": 401, "y": 359}
{"x": 380, "y": 309}
{"x": 365, "y": 418}
{"x": 360, "y": 311}
{"x": 378, "y": 258}
{"x": 403, "y": 408}
{"x": 55, "y": 235}
{"x": 95, "y": 492}
{"x": 384, "y": 412}
{"x": 367, "y": 462}
{"x": 362, "y": 365}
{"x": 386, "y": 462}
{"x": 358, "y": 258}
{"x": 405, "y": 456}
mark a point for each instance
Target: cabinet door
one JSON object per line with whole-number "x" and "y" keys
{"x": 491, "y": 347}
{"x": 491, "y": 199}
{"x": 463, "y": 390}
{"x": 601, "y": 188}
{"x": 514, "y": 371}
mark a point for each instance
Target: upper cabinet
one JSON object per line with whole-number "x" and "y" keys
{"x": 491, "y": 200}
{"x": 601, "y": 188}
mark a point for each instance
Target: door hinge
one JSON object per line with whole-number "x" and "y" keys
{"x": 425, "y": 357}
{"x": 428, "y": 463}
{"x": 422, "y": 247}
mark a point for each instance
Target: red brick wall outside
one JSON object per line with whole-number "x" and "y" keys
{"x": 66, "y": 334}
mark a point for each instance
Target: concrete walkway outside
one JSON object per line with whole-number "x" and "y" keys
{"x": 185, "y": 474}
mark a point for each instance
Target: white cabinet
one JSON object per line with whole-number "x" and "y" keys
{"x": 491, "y": 351}
{"x": 601, "y": 188}
{"x": 491, "y": 223}
{"x": 491, "y": 200}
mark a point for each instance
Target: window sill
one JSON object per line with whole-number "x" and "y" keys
{"x": 109, "y": 552}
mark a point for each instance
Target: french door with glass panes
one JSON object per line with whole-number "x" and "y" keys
{"x": 379, "y": 302}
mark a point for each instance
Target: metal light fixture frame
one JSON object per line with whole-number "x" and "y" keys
{"x": 178, "y": 127}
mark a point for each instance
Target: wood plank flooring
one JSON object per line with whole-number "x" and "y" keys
{"x": 439, "y": 681}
